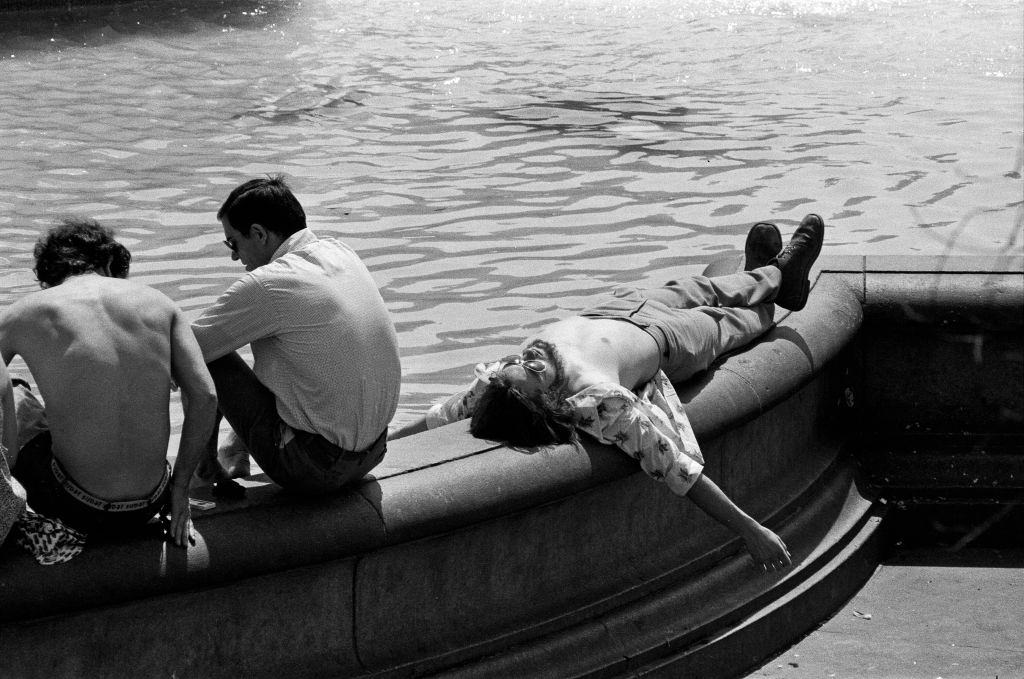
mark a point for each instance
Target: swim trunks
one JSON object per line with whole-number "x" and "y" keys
{"x": 53, "y": 493}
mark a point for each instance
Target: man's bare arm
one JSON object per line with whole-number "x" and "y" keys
{"x": 766, "y": 548}
{"x": 8, "y": 422}
{"x": 415, "y": 427}
{"x": 199, "y": 401}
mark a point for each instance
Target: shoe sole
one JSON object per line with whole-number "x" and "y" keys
{"x": 750, "y": 258}
{"x": 805, "y": 286}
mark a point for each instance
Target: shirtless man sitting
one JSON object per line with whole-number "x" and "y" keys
{"x": 105, "y": 354}
{"x": 609, "y": 372}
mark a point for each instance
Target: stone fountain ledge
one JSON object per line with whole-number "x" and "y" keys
{"x": 462, "y": 558}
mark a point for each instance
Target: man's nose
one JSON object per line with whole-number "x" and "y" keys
{"x": 234, "y": 255}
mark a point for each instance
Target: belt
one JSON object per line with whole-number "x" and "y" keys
{"x": 87, "y": 498}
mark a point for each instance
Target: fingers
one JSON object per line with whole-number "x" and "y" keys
{"x": 180, "y": 531}
{"x": 783, "y": 559}
{"x": 768, "y": 551}
{"x": 776, "y": 561}
{"x": 185, "y": 537}
{"x": 775, "y": 565}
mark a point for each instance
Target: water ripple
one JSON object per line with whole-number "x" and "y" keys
{"x": 497, "y": 164}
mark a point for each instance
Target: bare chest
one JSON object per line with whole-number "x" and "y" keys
{"x": 603, "y": 350}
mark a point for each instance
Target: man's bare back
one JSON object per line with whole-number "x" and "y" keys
{"x": 99, "y": 349}
{"x": 104, "y": 352}
{"x": 601, "y": 350}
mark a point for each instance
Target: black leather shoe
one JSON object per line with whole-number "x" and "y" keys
{"x": 795, "y": 262}
{"x": 763, "y": 244}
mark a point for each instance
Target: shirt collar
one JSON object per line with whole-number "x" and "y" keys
{"x": 297, "y": 240}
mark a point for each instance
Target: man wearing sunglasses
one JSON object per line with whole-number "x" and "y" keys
{"x": 609, "y": 371}
{"x": 313, "y": 409}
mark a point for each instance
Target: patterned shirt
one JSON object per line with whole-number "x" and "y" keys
{"x": 649, "y": 424}
{"x": 322, "y": 340}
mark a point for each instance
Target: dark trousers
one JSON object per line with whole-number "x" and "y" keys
{"x": 308, "y": 462}
{"x": 47, "y": 496}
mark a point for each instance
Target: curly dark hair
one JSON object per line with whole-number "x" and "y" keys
{"x": 505, "y": 414}
{"x": 79, "y": 246}
{"x": 268, "y": 202}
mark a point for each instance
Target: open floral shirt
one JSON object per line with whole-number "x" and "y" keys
{"x": 649, "y": 424}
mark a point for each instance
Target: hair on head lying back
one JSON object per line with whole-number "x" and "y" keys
{"x": 79, "y": 246}
{"x": 506, "y": 414}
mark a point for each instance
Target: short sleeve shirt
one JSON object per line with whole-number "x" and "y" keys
{"x": 648, "y": 424}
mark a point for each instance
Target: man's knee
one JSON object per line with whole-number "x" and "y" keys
{"x": 229, "y": 367}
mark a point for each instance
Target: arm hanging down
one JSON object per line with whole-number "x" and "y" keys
{"x": 670, "y": 453}
{"x": 766, "y": 548}
{"x": 199, "y": 401}
{"x": 612, "y": 414}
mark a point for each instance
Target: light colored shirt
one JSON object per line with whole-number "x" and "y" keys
{"x": 322, "y": 340}
{"x": 649, "y": 424}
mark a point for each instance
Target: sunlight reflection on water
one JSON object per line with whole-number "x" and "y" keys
{"x": 496, "y": 163}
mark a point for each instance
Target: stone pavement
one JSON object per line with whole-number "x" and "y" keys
{"x": 926, "y": 613}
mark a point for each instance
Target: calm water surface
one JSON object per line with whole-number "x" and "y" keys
{"x": 495, "y": 163}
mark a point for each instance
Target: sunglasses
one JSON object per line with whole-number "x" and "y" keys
{"x": 534, "y": 365}
{"x": 232, "y": 245}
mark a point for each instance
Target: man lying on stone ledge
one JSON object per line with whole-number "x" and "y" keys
{"x": 613, "y": 379}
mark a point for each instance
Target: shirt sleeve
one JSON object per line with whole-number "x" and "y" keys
{"x": 462, "y": 404}
{"x": 242, "y": 314}
{"x": 616, "y": 416}
{"x": 458, "y": 406}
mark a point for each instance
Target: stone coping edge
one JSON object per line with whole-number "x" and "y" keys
{"x": 274, "y": 532}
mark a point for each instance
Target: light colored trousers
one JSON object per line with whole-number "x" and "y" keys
{"x": 697, "y": 319}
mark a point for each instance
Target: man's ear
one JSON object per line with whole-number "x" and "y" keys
{"x": 258, "y": 231}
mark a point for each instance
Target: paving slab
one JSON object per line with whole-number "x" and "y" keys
{"x": 926, "y": 613}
